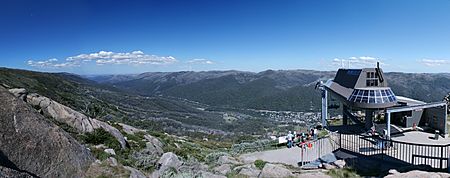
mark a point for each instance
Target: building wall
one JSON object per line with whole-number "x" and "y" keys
{"x": 415, "y": 118}
{"x": 361, "y": 83}
{"x": 436, "y": 118}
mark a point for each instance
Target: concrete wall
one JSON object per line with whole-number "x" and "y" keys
{"x": 436, "y": 118}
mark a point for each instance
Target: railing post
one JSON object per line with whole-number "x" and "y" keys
{"x": 340, "y": 140}
{"x": 442, "y": 157}
{"x": 382, "y": 149}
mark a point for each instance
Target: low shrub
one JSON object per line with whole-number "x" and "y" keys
{"x": 100, "y": 136}
{"x": 100, "y": 154}
{"x": 260, "y": 164}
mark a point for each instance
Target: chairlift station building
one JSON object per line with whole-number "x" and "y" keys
{"x": 367, "y": 90}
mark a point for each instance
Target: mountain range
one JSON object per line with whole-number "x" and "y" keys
{"x": 271, "y": 90}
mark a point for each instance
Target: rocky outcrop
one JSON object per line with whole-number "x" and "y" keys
{"x": 148, "y": 156}
{"x": 416, "y": 173}
{"x": 19, "y": 93}
{"x": 66, "y": 115}
{"x": 130, "y": 129}
{"x": 274, "y": 170}
{"x": 30, "y": 143}
{"x": 154, "y": 145}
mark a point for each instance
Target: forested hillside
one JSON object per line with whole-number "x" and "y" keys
{"x": 272, "y": 90}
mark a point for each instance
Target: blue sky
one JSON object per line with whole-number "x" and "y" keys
{"x": 110, "y": 37}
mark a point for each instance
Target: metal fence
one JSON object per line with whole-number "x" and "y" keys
{"x": 311, "y": 150}
{"x": 436, "y": 156}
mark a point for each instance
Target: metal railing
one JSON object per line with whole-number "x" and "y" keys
{"x": 314, "y": 149}
{"x": 436, "y": 156}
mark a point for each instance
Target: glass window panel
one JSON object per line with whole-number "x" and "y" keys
{"x": 364, "y": 100}
{"x": 385, "y": 99}
{"x": 383, "y": 93}
{"x": 366, "y": 93}
{"x": 379, "y": 100}
{"x": 377, "y": 92}
{"x": 372, "y": 93}
{"x": 358, "y": 99}
{"x": 388, "y": 92}
{"x": 352, "y": 98}
{"x": 391, "y": 99}
{"x": 371, "y": 100}
{"x": 360, "y": 92}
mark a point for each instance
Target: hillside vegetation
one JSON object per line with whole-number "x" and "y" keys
{"x": 272, "y": 90}
{"x": 159, "y": 113}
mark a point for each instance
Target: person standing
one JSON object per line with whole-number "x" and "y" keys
{"x": 315, "y": 133}
{"x": 290, "y": 139}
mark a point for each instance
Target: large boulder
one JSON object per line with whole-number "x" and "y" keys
{"x": 249, "y": 172}
{"x": 30, "y": 143}
{"x": 154, "y": 145}
{"x": 340, "y": 163}
{"x": 168, "y": 160}
{"x": 74, "y": 119}
{"x": 274, "y": 170}
{"x": 19, "y": 93}
{"x": 110, "y": 151}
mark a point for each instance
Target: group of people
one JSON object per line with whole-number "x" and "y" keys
{"x": 300, "y": 138}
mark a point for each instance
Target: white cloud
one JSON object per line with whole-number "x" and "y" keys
{"x": 107, "y": 57}
{"x": 357, "y": 62}
{"x": 200, "y": 61}
{"x": 50, "y": 63}
{"x": 435, "y": 62}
